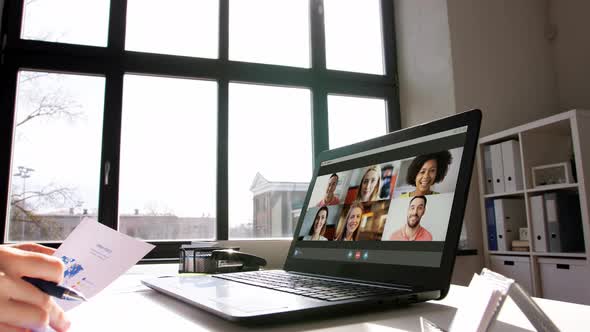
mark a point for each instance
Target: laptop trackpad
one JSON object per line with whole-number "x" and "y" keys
{"x": 251, "y": 304}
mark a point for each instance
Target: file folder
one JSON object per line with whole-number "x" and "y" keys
{"x": 510, "y": 216}
{"x": 487, "y": 161}
{"x": 552, "y": 222}
{"x": 497, "y": 168}
{"x": 564, "y": 222}
{"x": 539, "y": 223}
{"x": 511, "y": 165}
{"x": 491, "y": 225}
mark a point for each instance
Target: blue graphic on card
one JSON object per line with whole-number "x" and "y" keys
{"x": 72, "y": 269}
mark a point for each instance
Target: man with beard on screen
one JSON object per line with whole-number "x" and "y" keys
{"x": 412, "y": 231}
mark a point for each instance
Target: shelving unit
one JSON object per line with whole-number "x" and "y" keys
{"x": 546, "y": 141}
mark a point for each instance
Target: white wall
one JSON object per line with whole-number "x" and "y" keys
{"x": 424, "y": 60}
{"x": 503, "y": 65}
{"x": 571, "y": 51}
{"x": 502, "y": 62}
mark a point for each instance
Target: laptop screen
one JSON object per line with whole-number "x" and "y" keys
{"x": 392, "y": 198}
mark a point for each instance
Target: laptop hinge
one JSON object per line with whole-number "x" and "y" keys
{"x": 356, "y": 281}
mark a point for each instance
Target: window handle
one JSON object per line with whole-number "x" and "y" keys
{"x": 107, "y": 170}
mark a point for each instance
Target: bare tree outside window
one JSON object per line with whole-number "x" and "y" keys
{"x": 52, "y": 121}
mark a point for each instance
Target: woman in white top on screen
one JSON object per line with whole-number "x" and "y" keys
{"x": 318, "y": 228}
{"x": 370, "y": 184}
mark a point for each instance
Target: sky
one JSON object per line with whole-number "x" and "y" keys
{"x": 168, "y": 143}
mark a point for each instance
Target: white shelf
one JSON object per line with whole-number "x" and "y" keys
{"x": 551, "y": 140}
{"x": 541, "y": 189}
{"x": 519, "y": 193}
{"x": 561, "y": 254}
{"x": 511, "y": 253}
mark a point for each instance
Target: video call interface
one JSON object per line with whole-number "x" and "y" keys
{"x": 394, "y": 199}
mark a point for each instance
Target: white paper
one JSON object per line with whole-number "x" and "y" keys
{"x": 95, "y": 255}
{"x": 476, "y": 314}
{"x": 428, "y": 326}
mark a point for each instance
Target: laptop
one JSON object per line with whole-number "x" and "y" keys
{"x": 379, "y": 227}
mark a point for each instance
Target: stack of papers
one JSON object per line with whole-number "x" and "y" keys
{"x": 488, "y": 293}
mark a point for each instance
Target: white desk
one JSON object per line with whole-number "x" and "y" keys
{"x": 126, "y": 305}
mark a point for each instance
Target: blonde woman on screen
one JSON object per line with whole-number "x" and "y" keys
{"x": 348, "y": 229}
{"x": 370, "y": 184}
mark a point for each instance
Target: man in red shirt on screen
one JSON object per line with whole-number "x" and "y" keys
{"x": 412, "y": 231}
{"x": 330, "y": 198}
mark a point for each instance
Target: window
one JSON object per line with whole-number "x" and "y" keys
{"x": 56, "y": 154}
{"x": 269, "y": 31}
{"x": 202, "y": 126}
{"x": 354, "y": 119}
{"x": 353, "y": 36}
{"x": 269, "y": 158}
{"x": 66, "y": 21}
{"x": 180, "y": 27}
{"x": 167, "y": 128}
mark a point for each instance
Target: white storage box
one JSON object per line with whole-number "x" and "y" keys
{"x": 514, "y": 267}
{"x": 565, "y": 279}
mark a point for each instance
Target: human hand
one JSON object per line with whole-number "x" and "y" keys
{"x": 22, "y": 305}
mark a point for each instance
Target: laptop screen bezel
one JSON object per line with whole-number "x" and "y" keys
{"x": 416, "y": 277}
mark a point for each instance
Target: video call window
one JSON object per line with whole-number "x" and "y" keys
{"x": 402, "y": 200}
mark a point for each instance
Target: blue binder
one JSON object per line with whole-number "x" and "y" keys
{"x": 491, "y": 225}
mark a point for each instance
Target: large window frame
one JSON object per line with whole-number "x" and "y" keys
{"x": 113, "y": 62}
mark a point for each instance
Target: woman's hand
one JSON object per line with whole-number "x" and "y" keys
{"x": 22, "y": 305}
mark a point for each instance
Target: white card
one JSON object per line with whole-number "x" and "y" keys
{"x": 94, "y": 256}
{"x": 477, "y": 312}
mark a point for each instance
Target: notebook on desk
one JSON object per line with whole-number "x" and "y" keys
{"x": 380, "y": 226}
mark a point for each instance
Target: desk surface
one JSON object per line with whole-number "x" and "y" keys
{"x": 126, "y": 305}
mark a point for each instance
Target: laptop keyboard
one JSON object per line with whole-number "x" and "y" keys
{"x": 322, "y": 289}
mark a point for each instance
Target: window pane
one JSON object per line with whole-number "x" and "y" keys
{"x": 353, "y": 36}
{"x": 269, "y": 31}
{"x": 269, "y": 159}
{"x": 66, "y": 21}
{"x": 56, "y": 154}
{"x": 354, "y": 119}
{"x": 168, "y": 165}
{"x": 176, "y": 27}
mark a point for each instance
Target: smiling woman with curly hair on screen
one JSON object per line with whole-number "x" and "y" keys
{"x": 426, "y": 170}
